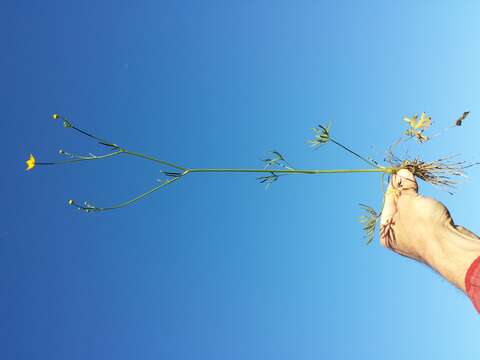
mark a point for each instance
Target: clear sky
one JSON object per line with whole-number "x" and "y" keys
{"x": 215, "y": 266}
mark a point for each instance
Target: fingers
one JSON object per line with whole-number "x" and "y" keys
{"x": 387, "y": 235}
{"x": 401, "y": 182}
{"x": 389, "y": 202}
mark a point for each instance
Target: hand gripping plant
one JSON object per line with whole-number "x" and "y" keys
{"x": 440, "y": 172}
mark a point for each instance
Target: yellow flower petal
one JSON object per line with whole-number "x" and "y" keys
{"x": 30, "y": 162}
{"x": 417, "y": 127}
{"x": 424, "y": 122}
{"x": 411, "y": 121}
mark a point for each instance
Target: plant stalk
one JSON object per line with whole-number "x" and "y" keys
{"x": 151, "y": 158}
{"x": 333, "y": 171}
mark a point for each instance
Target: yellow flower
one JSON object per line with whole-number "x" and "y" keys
{"x": 30, "y": 162}
{"x": 55, "y": 116}
{"x": 417, "y": 127}
{"x": 424, "y": 122}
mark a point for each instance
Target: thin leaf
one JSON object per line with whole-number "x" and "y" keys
{"x": 369, "y": 222}
{"x": 322, "y": 136}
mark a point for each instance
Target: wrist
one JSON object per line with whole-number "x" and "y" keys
{"x": 451, "y": 253}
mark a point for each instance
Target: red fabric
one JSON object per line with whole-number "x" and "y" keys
{"x": 472, "y": 283}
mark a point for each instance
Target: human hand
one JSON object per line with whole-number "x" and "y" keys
{"x": 421, "y": 228}
{"x": 411, "y": 224}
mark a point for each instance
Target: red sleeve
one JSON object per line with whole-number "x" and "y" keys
{"x": 472, "y": 283}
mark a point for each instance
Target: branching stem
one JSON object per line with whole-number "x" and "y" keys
{"x": 126, "y": 203}
{"x": 182, "y": 171}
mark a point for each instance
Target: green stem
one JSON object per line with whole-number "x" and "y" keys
{"x": 131, "y": 201}
{"x": 151, "y": 158}
{"x": 376, "y": 170}
{"x": 354, "y": 153}
{"x": 187, "y": 171}
{"x": 104, "y": 142}
{"x": 84, "y": 158}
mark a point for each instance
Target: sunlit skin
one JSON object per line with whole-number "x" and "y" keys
{"x": 422, "y": 228}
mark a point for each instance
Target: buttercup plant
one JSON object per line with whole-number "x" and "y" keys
{"x": 440, "y": 172}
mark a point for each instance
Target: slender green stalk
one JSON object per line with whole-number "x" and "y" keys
{"x": 81, "y": 158}
{"x": 322, "y": 136}
{"x": 333, "y": 171}
{"x": 68, "y": 124}
{"x": 120, "y": 151}
{"x": 89, "y": 208}
{"x": 101, "y": 141}
{"x": 151, "y": 158}
{"x": 354, "y": 153}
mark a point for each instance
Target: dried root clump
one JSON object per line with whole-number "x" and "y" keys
{"x": 441, "y": 172}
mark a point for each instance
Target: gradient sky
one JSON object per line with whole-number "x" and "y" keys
{"x": 215, "y": 266}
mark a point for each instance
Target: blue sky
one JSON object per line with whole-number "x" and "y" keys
{"x": 215, "y": 266}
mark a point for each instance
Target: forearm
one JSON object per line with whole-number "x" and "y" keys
{"x": 451, "y": 254}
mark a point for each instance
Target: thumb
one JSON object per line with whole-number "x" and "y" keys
{"x": 402, "y": 181}
{"x": 406, "y": 181}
